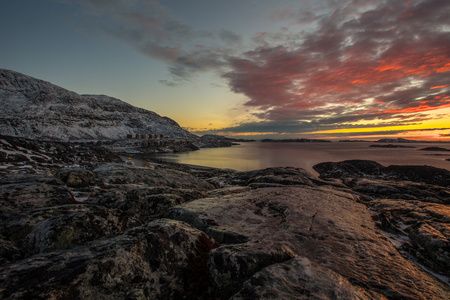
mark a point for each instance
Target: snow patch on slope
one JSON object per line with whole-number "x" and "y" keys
{"x": 37, "y": 109}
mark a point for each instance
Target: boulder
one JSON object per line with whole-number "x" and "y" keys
{"x": 230, "y": 265}
{"x": 76, "y": 177}
{"x": 164, "y": 259}
{"x": 327, "y": 227}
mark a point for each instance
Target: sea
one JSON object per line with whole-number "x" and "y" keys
{"x": 259, "y": 155}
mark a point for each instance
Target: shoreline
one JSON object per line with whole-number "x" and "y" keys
{"x": 245, "y": 157}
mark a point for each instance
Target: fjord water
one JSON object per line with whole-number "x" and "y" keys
{"x": 258, "y": 155}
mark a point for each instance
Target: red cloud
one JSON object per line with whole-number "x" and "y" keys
{"x": 377, "y": 63}
{"x": 438, "y": 87}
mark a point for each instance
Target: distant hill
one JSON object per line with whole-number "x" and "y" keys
{"x": 295, "y": 141}
{"x": 37, "y": 109}
{"x": 398, "y": 140}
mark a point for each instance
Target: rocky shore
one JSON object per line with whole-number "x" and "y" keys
{"x": 79, "y": 223}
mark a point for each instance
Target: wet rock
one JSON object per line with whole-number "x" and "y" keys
{"x": 327, "y": 227}
{"x": 21, "y": 192}
{"x": 161, "y": 260}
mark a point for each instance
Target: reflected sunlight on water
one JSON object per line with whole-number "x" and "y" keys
{"x": 257, "y": 155}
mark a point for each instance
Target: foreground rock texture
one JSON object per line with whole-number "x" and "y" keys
{"x": 115, "y": 231}
{"x": 328, "y": 228}
{"x": 410, "y": 203}
{"x": 151, "y": 261}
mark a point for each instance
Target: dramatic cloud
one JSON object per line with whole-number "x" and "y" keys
{"x": 330, "y": 64}
{"x": 365, "y": 61}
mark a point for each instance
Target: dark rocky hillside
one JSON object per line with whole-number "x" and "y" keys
{"x": 36, "y": 109}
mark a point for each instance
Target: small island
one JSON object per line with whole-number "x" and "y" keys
{"x": 295, "y": 141}
{"x": 391, "y": 146}
{"x": 435, "y": 149}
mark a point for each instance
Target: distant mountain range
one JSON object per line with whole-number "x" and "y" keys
{"x": 37, "y": 109}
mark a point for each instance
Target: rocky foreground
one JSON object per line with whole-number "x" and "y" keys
{"x": 80, "y": 224}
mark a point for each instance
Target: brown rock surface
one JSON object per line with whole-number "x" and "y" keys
{"x": 328, "y": 228}
{"x": 111, "y": 174}
{"x": 300, "y": 278}
{"x": 421, "y": 228}
{"x": 21, "y": 192}
{"x": 156, "y": 261}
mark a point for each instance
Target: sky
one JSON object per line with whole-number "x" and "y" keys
{"x": 334, "y": 69}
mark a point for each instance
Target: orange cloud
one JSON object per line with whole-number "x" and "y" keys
{"x": 437, "y": 87}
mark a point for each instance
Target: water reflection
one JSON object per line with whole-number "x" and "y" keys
{"x": 257, "y": 155}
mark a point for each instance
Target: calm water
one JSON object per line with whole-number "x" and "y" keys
{"x": 257, "y": 155}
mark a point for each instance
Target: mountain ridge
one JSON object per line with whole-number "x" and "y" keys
{"x": 37, "y": 109}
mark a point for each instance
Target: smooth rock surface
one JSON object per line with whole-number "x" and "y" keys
{"x": 300, "y": 278}
{"x": 125, "y": 174}
{"x": 328, "y": 228}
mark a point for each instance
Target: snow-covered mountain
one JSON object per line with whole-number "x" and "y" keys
{"x": 37, "y": 109}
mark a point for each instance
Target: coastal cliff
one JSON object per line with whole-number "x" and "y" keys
{"x": 96, "y": 228}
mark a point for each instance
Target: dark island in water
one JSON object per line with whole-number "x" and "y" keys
{"x": 98, "y": 219}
